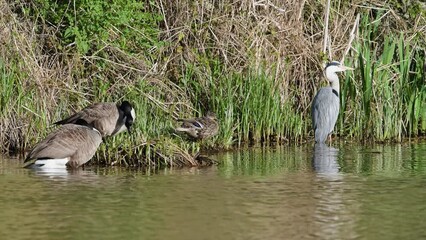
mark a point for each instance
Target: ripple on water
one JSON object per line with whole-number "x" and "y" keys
{"x": 349, "y": 192}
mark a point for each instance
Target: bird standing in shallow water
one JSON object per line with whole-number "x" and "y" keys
{"x": 69, "y": 146}
{"x": 199, "y": 128}
{"x": 326, "y": 104}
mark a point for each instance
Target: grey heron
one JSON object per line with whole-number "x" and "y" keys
{"x": 326, "y": 104}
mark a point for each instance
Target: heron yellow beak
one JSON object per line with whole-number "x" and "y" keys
{"x": 346, "y": 68}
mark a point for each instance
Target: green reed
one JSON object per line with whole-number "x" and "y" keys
{"x": 152, "y": 141}
{"x": 385, "y": 99}
{"x": 248, "y": 106}
{"x": 8, "y": 83}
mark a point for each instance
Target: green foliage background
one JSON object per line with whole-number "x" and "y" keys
{"x": 257, "y": 67}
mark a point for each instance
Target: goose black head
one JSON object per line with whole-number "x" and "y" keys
{"x": 129, "y": 114}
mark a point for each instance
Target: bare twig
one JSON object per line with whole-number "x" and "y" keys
{"x": 326, "y": 38}
{"x": 163, "y": 12}
{"x": 351, "y": 38}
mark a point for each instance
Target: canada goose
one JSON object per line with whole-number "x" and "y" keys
{"x": 199, "y": 128}
{"x": 108, "y": 118}
{"x": 70, "y": 146}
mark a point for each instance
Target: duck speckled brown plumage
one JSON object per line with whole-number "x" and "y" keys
{"x": 199, "y": 128}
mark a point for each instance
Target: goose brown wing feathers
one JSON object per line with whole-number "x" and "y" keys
{"x": 79, "y": 143}
{"x": 102, "y": 116}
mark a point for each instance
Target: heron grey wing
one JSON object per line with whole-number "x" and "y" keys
{"x": 319, "y": 106}
{"x": 333, "y": 111}
{"x": 317, "y": 116}
{"x": 325, "y": 109}
{"x": 315, "y": 112}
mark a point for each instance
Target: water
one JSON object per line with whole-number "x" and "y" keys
{"x": 353, "y": 192}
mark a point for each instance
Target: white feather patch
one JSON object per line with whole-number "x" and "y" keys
{"x": 51, "y": 163}
{"x": 133, "y": 114}
{"x": 201, "y": 125}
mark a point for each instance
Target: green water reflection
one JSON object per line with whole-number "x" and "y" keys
{"x": 298, "y": 192}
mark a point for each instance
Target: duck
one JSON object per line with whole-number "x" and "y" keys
{"x": 199, "y": 128}
{"x": 107, "y": 117}
{"x": 70, "y": 146}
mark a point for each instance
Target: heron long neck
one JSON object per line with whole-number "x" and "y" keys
{"x": 334, "y": 81}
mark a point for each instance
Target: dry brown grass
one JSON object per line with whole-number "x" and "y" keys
{"x": 284, "y": 39}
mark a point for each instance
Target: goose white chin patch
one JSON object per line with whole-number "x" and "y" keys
{"x": 133, "y": 114}
{"x": 51, "y": 163}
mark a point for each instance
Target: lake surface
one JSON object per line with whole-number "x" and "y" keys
{"x": 297, "y": 192}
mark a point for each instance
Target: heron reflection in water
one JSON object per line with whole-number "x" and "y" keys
{"x": 333, "y": 216}
{"x": 325, "y": 160}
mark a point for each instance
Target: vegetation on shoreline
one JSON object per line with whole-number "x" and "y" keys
{"x": 257, "y": 66}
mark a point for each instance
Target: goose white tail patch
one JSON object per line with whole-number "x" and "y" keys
{"x": 51, "y": 163}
